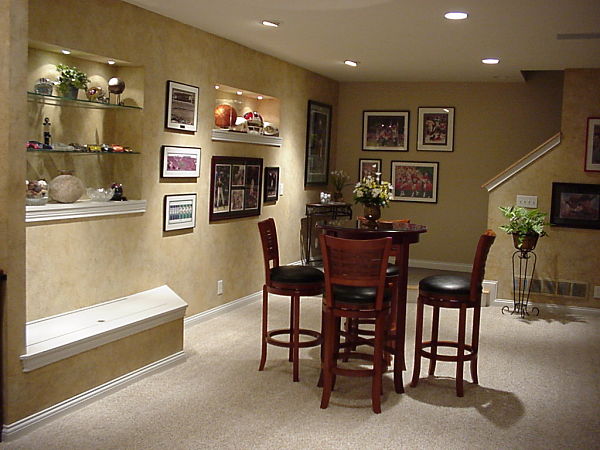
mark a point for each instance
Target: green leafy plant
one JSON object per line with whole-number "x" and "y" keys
{"x": 339, "y": 178}
{"x": 371, "y": 193}
{"x": 523, "y": 222}
{"x": 70, "y": 77}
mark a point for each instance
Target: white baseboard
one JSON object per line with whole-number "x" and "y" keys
{"x": 16, "y": 429}
{"x": 222, "y": 309}
{"x": 439, "y": 265}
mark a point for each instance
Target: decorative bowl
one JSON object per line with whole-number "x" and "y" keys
{"x": 100, "y": 194}
{"x": 36, "y": 201}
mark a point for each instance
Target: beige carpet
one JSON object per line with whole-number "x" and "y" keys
{"x": 540, "y": 388}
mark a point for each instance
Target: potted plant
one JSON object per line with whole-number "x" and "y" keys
{"x": 526, "y": 226}
{"x": 70, "y": 80}
{"x": 339, "y": 178}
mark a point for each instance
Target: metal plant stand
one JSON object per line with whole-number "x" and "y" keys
{"x": 523, "y": 267}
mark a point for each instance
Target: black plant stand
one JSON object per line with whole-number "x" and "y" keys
{"x": 523, "y": 266}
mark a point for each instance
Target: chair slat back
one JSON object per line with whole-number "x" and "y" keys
{"x": 268, "y": 237}
{"x": 483, "y": 248}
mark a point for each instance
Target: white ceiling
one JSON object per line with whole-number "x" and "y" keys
{"x": 405, "y": 40}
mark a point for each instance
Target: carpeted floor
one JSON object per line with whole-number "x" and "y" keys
{"x": 539, "y": 389}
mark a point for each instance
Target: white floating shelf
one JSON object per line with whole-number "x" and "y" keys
{"x": 248, "y": 138}
{"x": 82, "y": 209}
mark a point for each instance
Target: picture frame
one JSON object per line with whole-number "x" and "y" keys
{"x": 436, "y": 129}
{"x": 180, "y": 162}
{"x": 414, "y": 181}
{"x": 179, "y": 212}
{"x": 181, "y": 112}
{"x": 368, "y": 167}
{"x": 235, "y": 187}
{"x": 271, "y": 187}
{"x": 592, "y": 145}
{"x": 318, "y": 141}
{"x": 575, "y": 205}
{"x": 385, "y": 130}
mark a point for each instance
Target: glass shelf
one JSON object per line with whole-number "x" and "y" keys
{"x": 64, "y": 101}
{"x": 77, "y": 152}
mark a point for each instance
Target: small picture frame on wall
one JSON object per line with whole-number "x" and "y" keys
{"x": 414, "y": 181}
{"x": 180, "y": 162}
{"x": 271, "y": 188}
{"x": 180, "y": 212}
{"x": 368, "y": 168}
{"x": 181, "y": 112}
{"x": 318, "y": 141}
{"x": 436, "y": 129}
{"x": 575, "y": 205}
{"x": 385, "y": 130}
{"x": 592, "y": 145}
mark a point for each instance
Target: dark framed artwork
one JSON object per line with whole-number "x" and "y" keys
{"x": 368, "y": 168}
{"x": 271, "y": 188}
{"x": 181, "y": 112}
{"x": 235, "y": 187}
{"x": 436, "y": 129}
{"x": 179, "y": 212}
{"x": 575, "y": 205}
{"x": 414, "y": 181}
{"x": 592, "y": 145}
{"x": 179, "y": 162}
{"x": 318, "y": 140}
{"x": 385, "y": 130}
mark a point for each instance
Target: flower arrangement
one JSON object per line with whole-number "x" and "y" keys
{"x": 371, "y": 193}
{"x": 339, "y": 178}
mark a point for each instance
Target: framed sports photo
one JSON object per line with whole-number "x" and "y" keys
{"x": 181, "y": 112}
{"x": 368, "y": 168}
{"x": 414, "y": 181}
{"x": 318, "y": 140}
{"x": 575, "y": 205}
{"x": 271, "y": 188}
{"x": 180, "y": 212}
{"x": 436, "y": 129}
{"x": 180, "y": 162}
{"x": 592, "y": 145}
{"x": 385, "y": 130}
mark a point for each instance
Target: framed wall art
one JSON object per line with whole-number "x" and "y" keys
{"x": 235, "y": 187}
{"x": 179, "y": 162}
{"x": 592, "y": 145}
{"x": 414, "y": 181}
{"x": 436, "y": 129}
{"x": 271, "y": 188}
{"x": 180, "y": 212}
{"x": 575, "y": 205}
{"x": 318, "y": 140}
{"x": 181, "y": 112}
{"x": 385, "y": 130}
{"x": 368, "y": 167}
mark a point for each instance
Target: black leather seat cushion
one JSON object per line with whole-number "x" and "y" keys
{"x": 353, "y": 294}
{"x": 392, "y": 270}
{"x": 446, "y": 284}
{"x": 296, "y": 275}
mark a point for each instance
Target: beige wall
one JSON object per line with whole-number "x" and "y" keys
{"x": 567, "y": 254}
{"x": 495, "y": 123}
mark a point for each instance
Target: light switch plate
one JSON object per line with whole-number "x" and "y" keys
{"x": 527, "y": 201}
{"x": 596, "y": 291}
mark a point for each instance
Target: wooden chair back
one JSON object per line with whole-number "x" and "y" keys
{"x": 483, "y": 248}
{"x": 270, "y": 247}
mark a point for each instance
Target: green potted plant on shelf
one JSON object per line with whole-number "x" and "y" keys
{"x": 525, "y": 225}
{"x": 70, "y": 80}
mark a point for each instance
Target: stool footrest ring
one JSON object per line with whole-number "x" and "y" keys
{"x": 451, "y": 358}
{"x": 287, "y": 344}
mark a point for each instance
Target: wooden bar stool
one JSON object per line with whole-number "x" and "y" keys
{"x": 458, "y": 292}
{"x": 293, "y": 281}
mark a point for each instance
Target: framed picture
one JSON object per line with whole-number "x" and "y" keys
{"x": 178, "y": 162}
{"x": 271, "y": 188}
{"x": 180, "y": 212}
{"x": 592, "y": 146}
{"x": 414, "y": 181}
{"x": 318, "y": 139}
{"x": 575, "y": 205}
{"x": 235, "y": 187}
{"x": 182, "y": 107}
{"x": 436, "y": 129}
{"x": 385, "y": 130}
{"x": 368, "y": 167}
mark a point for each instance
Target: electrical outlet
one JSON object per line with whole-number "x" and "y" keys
{"x": 527, "y": 201}
{"x": 220, "y": 287}
{"x": 596, "y": 291}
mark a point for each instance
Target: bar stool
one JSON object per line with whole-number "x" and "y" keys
{"x": 457, "y": 292}
{"x": 293, "y": 281}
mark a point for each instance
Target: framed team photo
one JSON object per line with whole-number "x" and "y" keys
{"x": 180, "y": 162}
{"x": 180, "y": 212}
{"x": 385, "y": 130}
{"x": 436, "y": 129}
{"x": 414, "y": 181}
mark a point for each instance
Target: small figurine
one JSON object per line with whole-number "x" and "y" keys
{"x": 118, "y": 195}
{"x": 47, "y": 134}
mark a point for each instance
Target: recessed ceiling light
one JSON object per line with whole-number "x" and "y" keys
{"x": 65, "y": 51}
{"x": 260, "y": 97}
{"x": 239, "y": 92}
{"x": 456, "y": 15}
{"x": 217, "y": 86}
{"x": 351, "y": 63}
{"x": 111, "y": 61}
{"x": 270, "y": 23}
{"x": 490, "y": 61}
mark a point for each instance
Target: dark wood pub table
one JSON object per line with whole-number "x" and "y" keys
{"x": 403, "y": 235}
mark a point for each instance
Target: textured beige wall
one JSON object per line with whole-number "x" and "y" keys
{"x": 495, "y": 123}
{"x": 567, "y": 254}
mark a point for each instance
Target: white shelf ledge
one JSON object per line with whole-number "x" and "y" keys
{"x": 82, "y": 209}
{"x": 58, "y": 337}
{"x": 248, "y": 138}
